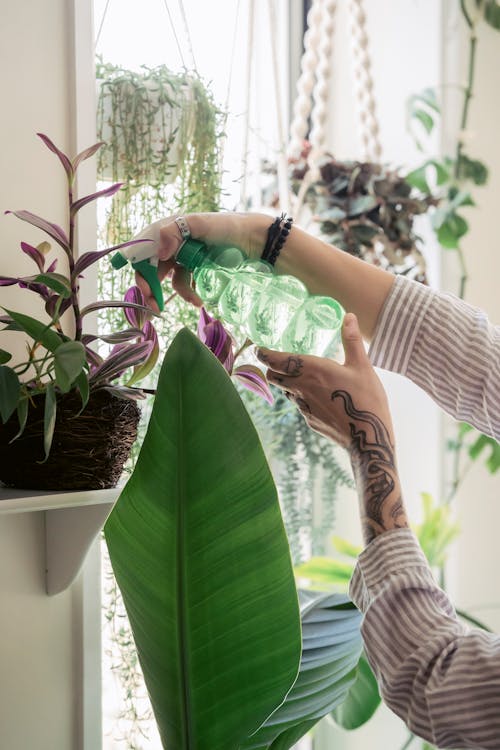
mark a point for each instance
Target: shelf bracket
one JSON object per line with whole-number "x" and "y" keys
{"x": 69, "y": 534}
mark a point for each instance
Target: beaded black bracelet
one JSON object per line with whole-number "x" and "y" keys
{"x": 272, "y": 236}
{"x": 276, "y": 237}
{"x": 282, "y": 238}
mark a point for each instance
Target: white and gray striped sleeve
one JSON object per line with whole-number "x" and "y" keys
{"x": 441, "y": 677}
{"x": 447, "y": 347}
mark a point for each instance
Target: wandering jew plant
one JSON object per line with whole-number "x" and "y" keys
{"x": 58, "y": 361}
{"x": 212, "y": 333}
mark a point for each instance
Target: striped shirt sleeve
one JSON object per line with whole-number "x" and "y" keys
{"x": 441, "y": 677}
{"x": 447, "y": 347}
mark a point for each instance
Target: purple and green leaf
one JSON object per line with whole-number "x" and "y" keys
{"x": 53, "y": 230}
{"x": 254, "y": 379}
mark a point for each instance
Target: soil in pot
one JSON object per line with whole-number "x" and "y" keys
{"x": 88, "y": 450}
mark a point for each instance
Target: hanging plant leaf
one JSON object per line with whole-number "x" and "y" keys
{"x": 484, "y": 442}
{"x": 418, "y": 178}
{"x": 4, "y": 356}
{"x": 361, "y": 205}
{"x": 472, "y": 169}
{"x": 451, "y": 230}
{"x": 362, "y": 700}
{"x": 201, "y": 557}
{"x": 364, "y": 233}
{"x": 332, "y": 214}
{"x": 492, "y": 14}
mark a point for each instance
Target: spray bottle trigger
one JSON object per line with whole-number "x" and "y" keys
{"x": 149, "y": 272}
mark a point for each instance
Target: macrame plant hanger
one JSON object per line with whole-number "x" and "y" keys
{"x": 311, "y": 104}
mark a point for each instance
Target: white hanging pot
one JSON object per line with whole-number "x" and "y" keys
{"x": 146, "y": 123}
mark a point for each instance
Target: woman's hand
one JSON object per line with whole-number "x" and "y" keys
{"x": 339, "y": 401}
{"x": 245, "y": 231}
{"x": 348, "y": 404}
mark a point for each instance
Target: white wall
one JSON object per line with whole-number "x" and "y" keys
{"x": 41, "y": 653}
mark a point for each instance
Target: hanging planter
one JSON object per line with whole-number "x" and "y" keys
{"x": 162, "y": 134}
{"x": 147, "y": 121}
{"x": 364, "y": 208}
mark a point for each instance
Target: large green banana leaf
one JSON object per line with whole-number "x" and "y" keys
{"x": 331, "y": 649}
{"x": 200, "y": 554}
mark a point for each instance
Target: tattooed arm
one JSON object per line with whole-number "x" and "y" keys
{"x": 440, "y": 677}
{"x": 348, "y": 404}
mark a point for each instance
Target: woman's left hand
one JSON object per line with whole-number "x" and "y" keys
{"x": 346, "y": 403}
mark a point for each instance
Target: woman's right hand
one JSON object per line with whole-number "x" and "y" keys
{"x": 245, "y": 231}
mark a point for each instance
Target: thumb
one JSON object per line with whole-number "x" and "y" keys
{"x": 352, "y": 340}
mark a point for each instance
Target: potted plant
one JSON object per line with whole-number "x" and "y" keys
{"x": 233, "y": 655}
{"x": 365, "y": 209}
{"x": 66, "y": 421}
{"x": 162, "y": 133}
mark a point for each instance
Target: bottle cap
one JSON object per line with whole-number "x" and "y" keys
{"x": 191, "y": 253}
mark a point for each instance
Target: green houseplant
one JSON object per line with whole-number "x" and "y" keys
{"x": 162, "y": 133}
{"x": 64, "y": 395}
{"x": 233, "y": 656}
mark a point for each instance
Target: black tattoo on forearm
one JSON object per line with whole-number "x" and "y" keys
{"x": 373, "y": 460}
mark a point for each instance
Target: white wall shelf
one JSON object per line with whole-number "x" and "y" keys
{"x": 72, "y": 522}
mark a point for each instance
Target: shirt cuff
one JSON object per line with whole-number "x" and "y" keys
{"x": 398, "y": 324}
{"x": 391, "y": 553}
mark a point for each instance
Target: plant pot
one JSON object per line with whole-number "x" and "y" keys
{"x": 152, "y": 120}
{"x": 88, "y": 450}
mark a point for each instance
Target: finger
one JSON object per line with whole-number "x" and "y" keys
{"x": 284, "y": 382}
{"x": 181, "y": 283}
{"x": 352, "y": 340}
{"x": 281, "y": 362}
{"x": 170, "y": 241}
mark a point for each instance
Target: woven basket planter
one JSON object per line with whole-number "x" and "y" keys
{"x": 88, "y": 450}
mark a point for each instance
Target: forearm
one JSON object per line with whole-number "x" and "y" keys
{"x": 359, "y": 287}
{"x": 373, "y": 462}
